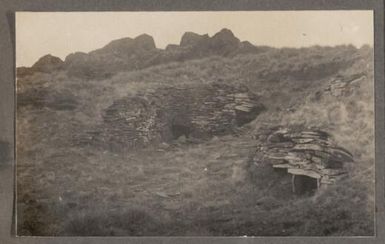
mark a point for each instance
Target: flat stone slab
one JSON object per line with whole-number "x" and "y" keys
{"x": 311, "y": 174}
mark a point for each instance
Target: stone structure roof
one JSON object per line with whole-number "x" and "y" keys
{"x": 308, "y": 152}
{"x": 169, "y": 112}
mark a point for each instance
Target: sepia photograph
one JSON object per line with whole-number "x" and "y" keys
{"x": 201, "y": 123}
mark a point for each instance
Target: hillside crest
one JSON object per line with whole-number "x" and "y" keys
{"x": 128, "y": 54}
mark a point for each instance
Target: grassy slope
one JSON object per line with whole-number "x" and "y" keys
{"x": 197, "y": 189}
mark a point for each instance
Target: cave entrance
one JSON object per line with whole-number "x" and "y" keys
{"x": 245, "y": 114}
{"x": 179, "y": 130}
{"x": 243, "y": 117}
{"x": 280, "y": 171}
{"x": 302, "y": 184}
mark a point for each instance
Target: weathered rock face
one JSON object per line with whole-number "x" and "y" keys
{"x": 303, "y": 152}
{"x": 168, "y": 113}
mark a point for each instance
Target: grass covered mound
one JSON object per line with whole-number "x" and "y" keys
{"x": 69, "y": 182}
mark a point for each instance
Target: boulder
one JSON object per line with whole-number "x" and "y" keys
{"x": 192, "y": 39}
{"x": 224, "y": 43}
{"x": 145, "y": 42}
{"x": 119, "y": 47}
{"x": 48, "y": 63}
{"x": 45, "y": 64}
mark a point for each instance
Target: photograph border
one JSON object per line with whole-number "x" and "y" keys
{"x": 7, "y": 103}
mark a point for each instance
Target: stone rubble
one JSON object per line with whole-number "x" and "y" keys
{"x": 345, "y": 85}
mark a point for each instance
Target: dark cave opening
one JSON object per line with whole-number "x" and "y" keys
{"x": 303, "y": 184}
{"x": 280, "y": 171}
{"x": 244, "y": 117}
{"x": 179, "y": 130}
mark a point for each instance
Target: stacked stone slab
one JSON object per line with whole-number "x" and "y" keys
{"x": 344, "y": 85}
{"x": 200, "y": 111}
{"x": 132, "y": 118}
{"x": 307, "y": 152}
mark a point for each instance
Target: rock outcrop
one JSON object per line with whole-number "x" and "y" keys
{"x": 127, "y": 45}
{"x": 48, "y": 63}
{"x": 223, "y": 43}
{"x": 304, "y": 152}
{"x": 45, "y": 64}
{"x": 168, "y": 113}
{"x": 118, "y": 55}
{"x": 132, "y": 54}
{"x": 192, "y": 39}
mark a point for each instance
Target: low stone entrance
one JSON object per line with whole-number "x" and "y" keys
{"x": 302, "y": 184}
{"x": 309, "y": 155}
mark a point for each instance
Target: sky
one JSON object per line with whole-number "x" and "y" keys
{"x": 62, "y": 33}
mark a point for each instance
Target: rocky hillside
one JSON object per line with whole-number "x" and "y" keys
{"x": 131, "y": 54}
{"x": 185, "y": 140}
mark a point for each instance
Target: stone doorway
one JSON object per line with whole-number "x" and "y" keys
{"x": 302, "y": 184}
{"x": 179, "y": 130}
